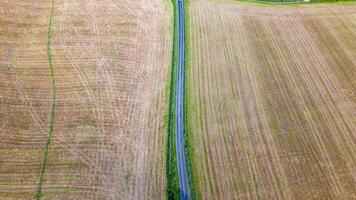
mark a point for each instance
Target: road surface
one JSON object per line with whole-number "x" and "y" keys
{"x": 182, "y": 166}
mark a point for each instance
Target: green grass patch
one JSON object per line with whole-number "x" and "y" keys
{"x": 173, "y": 191}
{"x": 189, "y": 151}
{"x": 38, "y": 194}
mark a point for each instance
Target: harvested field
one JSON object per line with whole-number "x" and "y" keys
{"x": 111, "y": 61}
{"x": 272, "y": 100}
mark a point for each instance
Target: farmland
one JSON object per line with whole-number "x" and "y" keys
{"x": 272, "y": 100}
{"x": 85, "y": 87}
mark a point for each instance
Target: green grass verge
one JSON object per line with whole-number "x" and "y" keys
{"x": 189, "y": 151}
{"x": 173, "y": 191}
{"x": 53, "y": 105}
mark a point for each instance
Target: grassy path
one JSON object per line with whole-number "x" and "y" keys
{"x": 53, "y": 105}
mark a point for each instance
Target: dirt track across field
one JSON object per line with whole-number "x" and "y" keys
{"x": 272, "y": 100}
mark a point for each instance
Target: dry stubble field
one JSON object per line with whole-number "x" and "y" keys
{"x": 272, "y": 99}
{"x": 111, "y": 61}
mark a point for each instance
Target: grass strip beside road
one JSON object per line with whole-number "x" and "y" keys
{"x": 188, "y": 132}
{"x": 53, "y": 105}
{"x": 173, "y": 191}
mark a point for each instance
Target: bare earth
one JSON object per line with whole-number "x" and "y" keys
{"x": 272, "y": 93}
{"x": 111, "y": 61}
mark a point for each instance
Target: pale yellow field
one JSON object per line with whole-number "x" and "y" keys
{"x": 111, "y": 61}
{"x": 272, "y": 100}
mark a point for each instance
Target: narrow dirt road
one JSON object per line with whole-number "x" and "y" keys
{"x": 182, "y": 167}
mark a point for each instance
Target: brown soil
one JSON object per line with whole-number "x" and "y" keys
{"x": 272, "y": 98}
{"x": 111, "y": 61}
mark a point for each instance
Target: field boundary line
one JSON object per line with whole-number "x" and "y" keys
{"x": 188, "y": 146}
{"x": 53, "y": 105}
{"x": 173, "y": 190}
